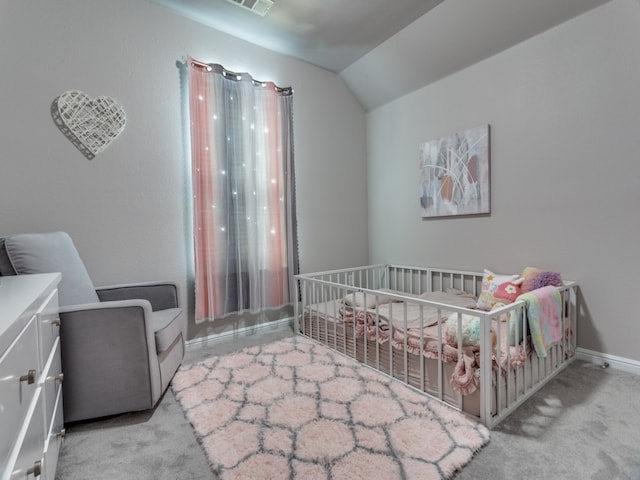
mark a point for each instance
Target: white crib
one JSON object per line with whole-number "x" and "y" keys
{"x": 397, "y": 328}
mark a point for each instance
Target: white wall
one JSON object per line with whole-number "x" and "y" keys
{"x": 564, "y": 110}
{"x": 127, "y": 209}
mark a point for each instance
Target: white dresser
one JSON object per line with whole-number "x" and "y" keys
{"x": 31, "y": 423}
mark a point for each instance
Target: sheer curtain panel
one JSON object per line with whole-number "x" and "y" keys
{"x": 243, "y": 191}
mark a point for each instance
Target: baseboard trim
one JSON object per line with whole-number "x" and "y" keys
{"x": 612, "y": 361}
{"x": 273, "y": 326}
{"x": 583, "y": 354}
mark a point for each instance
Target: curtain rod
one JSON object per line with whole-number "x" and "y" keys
{"x": 209, "y": 67}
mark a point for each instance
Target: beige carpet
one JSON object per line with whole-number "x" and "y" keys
{"x": 296, "y": 409}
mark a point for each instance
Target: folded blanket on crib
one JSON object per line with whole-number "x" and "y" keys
{"x": 544, "y": 313}
{"x": 409, "y": 316}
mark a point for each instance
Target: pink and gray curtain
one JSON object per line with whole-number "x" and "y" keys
{"x": 245, "y": 246}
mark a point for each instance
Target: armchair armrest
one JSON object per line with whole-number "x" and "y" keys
{"x": 161, "y": 295}
{"x": 108, "y": 348}
{"x": 121, "y": 323}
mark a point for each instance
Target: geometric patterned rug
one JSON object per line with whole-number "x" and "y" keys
{"x": 295, "y": 409}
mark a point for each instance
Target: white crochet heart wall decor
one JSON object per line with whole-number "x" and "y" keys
{"x": 91, "y": 124}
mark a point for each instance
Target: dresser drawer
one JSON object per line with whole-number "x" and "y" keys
{"x": 48, "y": 325}
{"x": 53, "y": 378}
{"x": 29, "y": 459}
{"x": 54, "y": 439}
{"x": 19, "y": 375}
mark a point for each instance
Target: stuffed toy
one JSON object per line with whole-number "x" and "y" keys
{"x": 535, "y": 278}
{"x": 470, "y": 331}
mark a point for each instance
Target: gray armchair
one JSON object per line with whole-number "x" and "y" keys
{"x": 120, "y": 345}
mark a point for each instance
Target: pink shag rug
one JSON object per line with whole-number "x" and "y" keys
{"x": 295, "y": 409}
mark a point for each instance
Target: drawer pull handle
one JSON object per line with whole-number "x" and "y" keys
{"x": 59, "y": 377}
{"x": 62, "y": 433}
{"x": 56, "y": 322}
{"x": 30, "y": 377}
{"x": 36, "y": 470}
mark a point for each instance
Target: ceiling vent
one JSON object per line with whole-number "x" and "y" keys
{"x": 259, "y": 7}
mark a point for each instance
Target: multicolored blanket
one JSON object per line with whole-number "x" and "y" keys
{"x": 544, "y": 313}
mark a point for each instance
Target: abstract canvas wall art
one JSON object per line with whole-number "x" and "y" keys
{"x": 454, "y": 174}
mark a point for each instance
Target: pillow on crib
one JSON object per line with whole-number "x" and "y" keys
{"x": 535, "y": 278}
{"x": 507, "y": 292}
{"x": 490, "y": 283}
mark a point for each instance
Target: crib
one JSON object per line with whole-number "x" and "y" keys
{"x": 399, "y": 320}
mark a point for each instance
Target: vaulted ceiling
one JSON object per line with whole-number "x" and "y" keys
{"x": 384, "y": 49}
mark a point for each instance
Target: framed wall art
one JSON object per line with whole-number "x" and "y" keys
{"x": 455, "y": 175}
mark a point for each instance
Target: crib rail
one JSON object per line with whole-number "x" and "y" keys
{"x": 509, "y": 370}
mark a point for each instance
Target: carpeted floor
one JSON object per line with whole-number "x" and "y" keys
{"x": 585, "y": 424}
{"x": 296, "y": 409}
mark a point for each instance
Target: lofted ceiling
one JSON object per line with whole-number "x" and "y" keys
{"x": 331, "y": 34}
{"x": 409, "y": 42}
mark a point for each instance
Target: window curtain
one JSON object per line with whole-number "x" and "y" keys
{"x": 245, "y": 245}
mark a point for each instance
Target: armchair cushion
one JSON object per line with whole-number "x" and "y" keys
{"x": 52, "y": 252}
